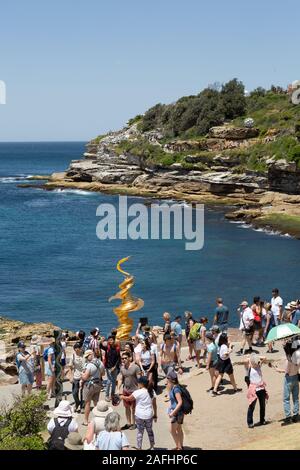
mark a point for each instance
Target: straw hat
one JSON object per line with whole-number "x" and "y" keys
{"x": 87, "y": 353}
{"x": 293, "y": 304}
{"x": 102, "y": 409}
{"x": 64, "y": 410}
{"x": 73, "y": 441}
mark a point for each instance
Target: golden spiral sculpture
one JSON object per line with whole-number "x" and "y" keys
{"x": 128, "y": 303}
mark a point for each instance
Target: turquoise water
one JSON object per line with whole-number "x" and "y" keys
{"x": 54, "y": 268}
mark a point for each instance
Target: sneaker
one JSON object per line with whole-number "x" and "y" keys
{"x": 250, "y": 426}
{"x": 210, "y": 389}
{"x": 295, "y": 418}
{"x": 132, "y": 427}
{"x": 286, "y": 422}
{"x": 126, "y": 426}
{"x": 262, "y": 423}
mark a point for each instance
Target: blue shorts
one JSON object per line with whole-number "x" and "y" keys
{"x": 48, "y": 371}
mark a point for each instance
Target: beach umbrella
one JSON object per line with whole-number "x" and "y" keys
{"x": 282, "y": 331}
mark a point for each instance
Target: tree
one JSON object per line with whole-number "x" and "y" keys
{"x": 233, "y": 99}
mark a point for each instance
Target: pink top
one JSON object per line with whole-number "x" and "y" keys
{"x": 251, "y": 394}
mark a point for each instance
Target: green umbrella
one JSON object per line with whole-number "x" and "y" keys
{"x": 282, "y": 331}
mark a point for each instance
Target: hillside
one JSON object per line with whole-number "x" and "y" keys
{"x": 172, "y": 133}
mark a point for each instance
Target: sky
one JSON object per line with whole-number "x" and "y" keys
{"x": 74, "y": 69}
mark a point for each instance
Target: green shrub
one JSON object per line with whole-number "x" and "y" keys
{"x": 21, "y": 424}
{"x": 22, "y": 443}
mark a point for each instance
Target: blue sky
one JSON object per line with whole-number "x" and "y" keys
{"x": 75, "y": 69}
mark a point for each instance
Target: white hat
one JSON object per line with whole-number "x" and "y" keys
{"x": 287, "y": 307}
{"x": 64, "y": 409}
{"x": 293, "y": 304}
{"x": 102, "y": 409}
{"x": 244, "y": 303}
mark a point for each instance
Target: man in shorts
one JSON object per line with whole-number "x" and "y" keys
{"x": 129, "y": 374}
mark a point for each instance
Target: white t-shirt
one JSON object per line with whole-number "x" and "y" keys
{"x": 143, "y": 407}
{"x": 246, "y": 317}
{"x": 224, "y": 350}
{"x": 146, "y": 358}
{"x": 111, "y": 440}
{"x": 73, "y": 426}
{"x": 154, "y": 350}
{"x": 276, "y": 303}
{"x": 255, "y": 375}
{"x": 137, "y": 349}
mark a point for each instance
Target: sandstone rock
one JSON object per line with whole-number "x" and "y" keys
{"x": 8, "y": 379}
{"x": 233, "y": 133}
{"x": 9, "y": 369}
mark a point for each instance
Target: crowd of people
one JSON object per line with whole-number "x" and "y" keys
{"x": 136, "y": 371}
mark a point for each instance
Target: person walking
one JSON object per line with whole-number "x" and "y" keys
{"x": 76, "y": 365}
{"x": 189, "y": 322}
{"x": 290, "y": 383}
{"x": 147, "y": 360}
{"x": 212, "y": 358}
{"x": 276, "y": 306}
{"x": 91, "y": 379}
{"x": 128, "y": 378}
{"x": 246, "y": 326}
{"x": 145, "y": 410}
{"x": 25, "y": 366}
{"x": 49, "y": 358}
{"x": 221, "y": 315}
{"x": 169, "y": 355}
{"x": 175, "y": 410}
{"x": 224, "y": 365}
{"x": 112, "y": 362}
{"x": 256, "y": 389}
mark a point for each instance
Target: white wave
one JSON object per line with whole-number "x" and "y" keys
{"x": 37, "y": 203}
{"x": 80, "y": 192}
{"x": 13, "y": 179}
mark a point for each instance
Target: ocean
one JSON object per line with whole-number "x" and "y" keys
{"x": 54, "y": 268}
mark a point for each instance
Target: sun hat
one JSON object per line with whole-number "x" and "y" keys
{"x": 293, "y": 304}
{"x": 87, "y": 353}
{"x": 34, "y": 339}
{"x": 244, "y": 303}
{"x": 102, "y": 409}
{"x": 63, "y": 410}
{"x": 287, "y": 307}
{"x": 188, "y": 314}
{"x": 21, "y": 345}
{"x": 73, "y": 441}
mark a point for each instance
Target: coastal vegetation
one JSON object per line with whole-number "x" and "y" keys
{"x": 22, "y": 423}
{"x": 190, "y": 118}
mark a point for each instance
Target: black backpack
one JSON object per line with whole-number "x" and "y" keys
{"x": 187, "y": 401}
{"x": 58, "y": 436}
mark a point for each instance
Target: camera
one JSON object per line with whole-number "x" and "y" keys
{"x": 143, "y": 321}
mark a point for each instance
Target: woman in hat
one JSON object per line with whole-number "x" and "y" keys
{"x": 175, "y": 411}
{"x": 256, "y": 388}
{"x": 36, "y": 353}
{"x": 145, "y": 410}
{"x": 61, "y": 425}
{"x": 98, "y": 422}
{"x": 112, "y": 438}
{"x": 25, "y": 366}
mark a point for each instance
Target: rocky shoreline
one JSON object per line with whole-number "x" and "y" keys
{"x": 268, "y": 199}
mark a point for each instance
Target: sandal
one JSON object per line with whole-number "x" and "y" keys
{"x": 215, "y": 394}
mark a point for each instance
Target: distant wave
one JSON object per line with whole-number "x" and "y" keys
{"x": 80, "y": 192}
{"x": 14, "y": 179}
{"x": 268, "y": 231}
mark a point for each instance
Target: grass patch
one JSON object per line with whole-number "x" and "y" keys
{"x": 281, "y": 222}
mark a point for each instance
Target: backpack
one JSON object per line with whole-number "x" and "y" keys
{"x": 187, "y": 401}
{"x": 195, "y": 332}
{"x": 58, "y": 436}
{"x": 45, "y": 354}
{"x": 86, "y": 343}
